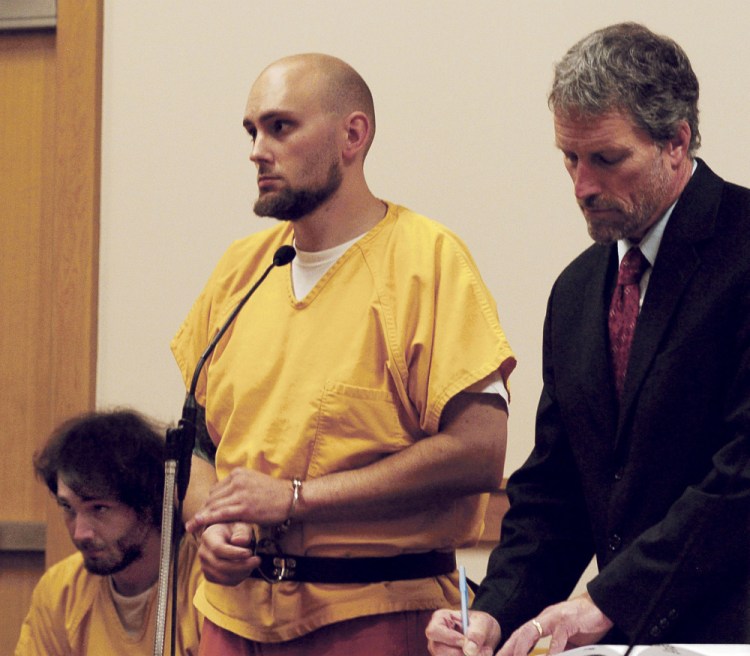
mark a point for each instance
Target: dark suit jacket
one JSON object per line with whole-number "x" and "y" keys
{"x": 659, "y": 491}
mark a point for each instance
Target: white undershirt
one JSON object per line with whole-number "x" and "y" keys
{"x": 309, "y": 267}
{"x": 131, "y": 610}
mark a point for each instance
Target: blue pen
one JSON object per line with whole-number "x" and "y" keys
{"x": 464, "y": 591}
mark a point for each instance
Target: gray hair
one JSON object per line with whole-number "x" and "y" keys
{"x": 627, "y": 67}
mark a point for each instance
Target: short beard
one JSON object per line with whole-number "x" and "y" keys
{"x": 634, "y": 220}
{"x": 130, "y": 553}
{"x": 292, "y": 204}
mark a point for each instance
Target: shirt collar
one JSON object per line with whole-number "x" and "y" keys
{"x": 651, "y": 241}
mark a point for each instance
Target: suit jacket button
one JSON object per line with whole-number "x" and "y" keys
{"x": 619, "y": 474}
{"x": 614, "y": 542}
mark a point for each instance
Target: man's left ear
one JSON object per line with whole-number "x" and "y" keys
{"x": 357, "y": 133}
{"x": 678, "y": 146}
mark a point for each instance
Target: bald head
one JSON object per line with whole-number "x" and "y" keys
{"x": 333, "y": 83}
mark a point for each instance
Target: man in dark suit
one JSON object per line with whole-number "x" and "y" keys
{"x": 643, "y": 427}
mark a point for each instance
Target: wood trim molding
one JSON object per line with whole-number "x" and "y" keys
{"x": 23, "y": 536}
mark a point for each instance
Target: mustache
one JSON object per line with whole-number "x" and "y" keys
{"x": 86, "y": 545}
{"x": 598, "y": 203}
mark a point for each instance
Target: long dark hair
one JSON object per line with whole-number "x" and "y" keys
{"x": 117, "y": 454}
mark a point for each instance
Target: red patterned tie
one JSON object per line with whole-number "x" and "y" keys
{"x": 623, "y": 312}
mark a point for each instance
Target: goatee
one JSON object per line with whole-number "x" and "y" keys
{"x": 292, "y": 204}
{"x": 129, "y": 553}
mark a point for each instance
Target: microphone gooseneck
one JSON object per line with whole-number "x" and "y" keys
{"x": 283, "y": 256}
{"x": 179, "y": 449}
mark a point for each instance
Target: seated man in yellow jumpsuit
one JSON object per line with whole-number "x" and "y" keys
{"x": 106, "y": 471}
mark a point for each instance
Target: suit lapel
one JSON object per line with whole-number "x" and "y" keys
{"x": 676, "y": 262}
{"x": 593, "y": 343}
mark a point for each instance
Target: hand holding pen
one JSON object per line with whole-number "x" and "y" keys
{"x": 464, "y": 633}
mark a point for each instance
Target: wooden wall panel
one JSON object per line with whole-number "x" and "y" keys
{"x": 50, "y": 115}
{"x": 19, "y": 573}
{"x": 27, "y": 103}
{"x": 27, "y": 110}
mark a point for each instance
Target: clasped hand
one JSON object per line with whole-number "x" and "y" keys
{"x": 225, "y": 521}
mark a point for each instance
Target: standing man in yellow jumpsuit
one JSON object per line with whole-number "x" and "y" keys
{"x": 357, "y": 403}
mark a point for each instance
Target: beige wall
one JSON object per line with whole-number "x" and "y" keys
{"x": 464, "y": 136}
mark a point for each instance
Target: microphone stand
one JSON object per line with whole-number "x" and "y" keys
{"x": 179, "y": 449}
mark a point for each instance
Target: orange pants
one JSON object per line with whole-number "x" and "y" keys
{"x": 392, "y": 634}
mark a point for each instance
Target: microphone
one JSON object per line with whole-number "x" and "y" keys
{"x": 179, "y": 448}
{"x": 283, "y": 256}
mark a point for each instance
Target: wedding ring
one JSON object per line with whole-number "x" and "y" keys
{"x": 538, "y": 627}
